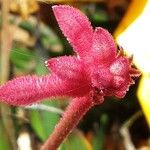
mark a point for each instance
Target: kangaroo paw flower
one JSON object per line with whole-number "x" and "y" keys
{"x": 97, "y": 71}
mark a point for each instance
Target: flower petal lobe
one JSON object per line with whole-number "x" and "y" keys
{"x": 75, "y": 26}
{"x": 31, "y": 89}
{"x": 67, "y": 67}
{"x": 103, "y": 47}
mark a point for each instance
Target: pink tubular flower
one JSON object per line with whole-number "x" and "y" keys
{"x": 97, "y": 71}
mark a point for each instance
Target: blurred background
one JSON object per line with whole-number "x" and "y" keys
{"x": 29, "y": 35}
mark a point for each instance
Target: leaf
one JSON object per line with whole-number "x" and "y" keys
{"x": 44, "y": 122}
{"x": 21, "y": 35}
{"x": 4, "y": 144}
{"x": 76, "y": 141}
{"x": 40, "y": 69}
{"x": 22, "y": 58}
{"x": 49, "y": 39}
{"x": 100, "y": 16}
{"x": 26, "y": 25}
{"x": 98, "y": 140}
{"x": 37, "y": 124}
{"x": 50, "y": 119}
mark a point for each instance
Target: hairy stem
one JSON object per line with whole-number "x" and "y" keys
{"x": 71, "y": 117}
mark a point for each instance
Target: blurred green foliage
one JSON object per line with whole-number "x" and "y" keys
{"x": 23, "y": 59}
{"x": 75, "y": 141}
{"x": 3, "y": 139}
{"x": 43, "y": 123}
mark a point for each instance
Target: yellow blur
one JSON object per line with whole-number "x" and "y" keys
{"x": 133, "y": 34}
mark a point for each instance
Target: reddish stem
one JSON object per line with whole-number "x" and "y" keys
{"x": 71, "y": 117}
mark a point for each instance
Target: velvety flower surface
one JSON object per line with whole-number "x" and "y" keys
{"x": 96, "y": 71}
